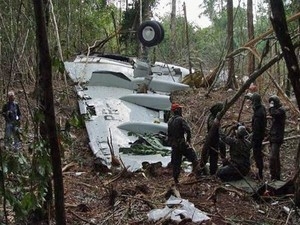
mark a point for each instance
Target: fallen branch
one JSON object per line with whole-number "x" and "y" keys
{"x": 247, "y": 84}
{"x": 114, "y": 160}
{"x": 113, "y": 215}
{"x": 121, "y": 174}
{"x": 285, "y": 139}
{"x": 85, "y": 184}
{"x": 68, "y": 166}
{"x": 203, "y": 179}
{"x": 234, "y": 221}
{"x": 68, "y": 205}
{"x": 288, "y": 217}
{"x": 281, "y": 92}
{"x": 82, "y": 219}
{"x": 222, "y": 190}
{"x": 268, "y": 32}
{"x": 151, "y": 204}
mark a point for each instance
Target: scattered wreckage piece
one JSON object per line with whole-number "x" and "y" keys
{"x": 262, "y": 191}
{"x": 178, "y": 209}
{"x": 278, "y": 188}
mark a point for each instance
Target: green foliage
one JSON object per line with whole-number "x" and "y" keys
{"x": 25, "y": 178}
{"x": 212, "y": 8}
{"x": 147, "y": 144}
{"x": 38, "y": 116}
{"x": 81, "y": 23}
{"x": 58, "y": 65}
{"x": 76, "y": 120}
{"x": 65, "y": 138}
{"x": 127, "y": 37}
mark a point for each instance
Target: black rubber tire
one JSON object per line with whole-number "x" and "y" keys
{"x": 162, "y": 31}
{"x": 150, "y": 33}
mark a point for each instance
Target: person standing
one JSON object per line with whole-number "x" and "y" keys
{"x": 179, "y": 138}
{"x": 11, "y": 113}
{"x": 259, "y": 123}
{"x": 276, "y": 135}
{"x": 216, "y": 146}
{"x": 238, "y": 165}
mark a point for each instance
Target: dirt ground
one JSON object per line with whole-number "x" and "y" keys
{"x": 122, "y": 197}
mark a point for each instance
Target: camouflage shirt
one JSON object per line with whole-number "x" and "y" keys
{"x": 177, "y": 128}
{"x": 239, "y": 153}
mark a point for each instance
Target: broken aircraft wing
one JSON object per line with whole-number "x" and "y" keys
{"x": 118, "y": 117}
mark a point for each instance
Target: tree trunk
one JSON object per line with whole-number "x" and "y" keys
{"x": 173, "y": 30}
{"x": 250, "y": 26}
{"x": 279, "y": 23}
{"x": 231, "y": 81}
{"x": 47, "y": 103}
{"x": 187, "y": 37}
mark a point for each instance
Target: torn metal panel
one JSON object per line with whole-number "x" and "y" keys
{"x": 178, "y": 209}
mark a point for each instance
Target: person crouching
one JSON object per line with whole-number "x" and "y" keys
{"x": 238, "y": 165}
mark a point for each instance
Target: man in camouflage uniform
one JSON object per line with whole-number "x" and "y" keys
{"x": 259, "y": 123}
{"x": 216, "y": 146}
{"x": 177, "y": 129}
{"x": 238, "y": 164}
{"x": 276, "y": 135}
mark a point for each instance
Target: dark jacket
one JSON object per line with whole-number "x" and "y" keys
{"x": 259, "y": 122}
{"x": 11, "y": 112}
{"x": 210, "y": 121}
{"x": 278, "y": 124}
{"x": 215, "y": 142}
{"x": 177, "y": 128}
{"x": 214, "y": 110}
{"x": 239, "y": 153}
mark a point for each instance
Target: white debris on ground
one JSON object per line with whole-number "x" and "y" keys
{"x": 178, "y": 209}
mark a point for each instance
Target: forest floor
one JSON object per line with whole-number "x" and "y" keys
{"x": 121, "y": 197}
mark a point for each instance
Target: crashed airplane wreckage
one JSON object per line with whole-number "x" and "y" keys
{"x": 125, "y": 103}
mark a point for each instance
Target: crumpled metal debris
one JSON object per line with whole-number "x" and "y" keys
{"x": 178, "y": 209}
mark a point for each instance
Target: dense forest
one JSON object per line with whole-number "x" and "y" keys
{"x": 37, "y": 36}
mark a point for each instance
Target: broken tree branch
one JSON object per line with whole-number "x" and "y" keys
{"x": 277, "y": 86}
{"x": 285, "y": 139}
{"x": 81, "y": 218}
{"x": 270, "y": 31}
{"x": 247, "y": 84}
